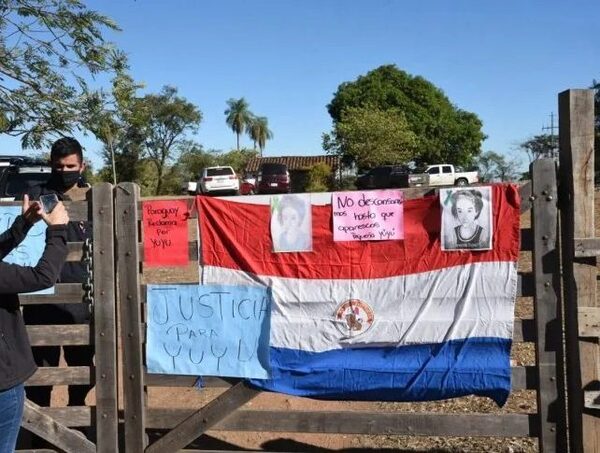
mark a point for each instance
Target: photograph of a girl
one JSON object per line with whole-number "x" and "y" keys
{"x": 466, "y": 219}
{"x": 291, "y": 223}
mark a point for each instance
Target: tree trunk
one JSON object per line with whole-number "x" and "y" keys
{"x": 113, "y": 163}
{"x": 237, "y": 136}
{"x": 160, "y": 165}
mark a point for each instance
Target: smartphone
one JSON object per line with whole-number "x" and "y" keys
{"x": 49, "y": 202}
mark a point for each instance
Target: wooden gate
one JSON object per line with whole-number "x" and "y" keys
{"x": 539, "y": 327}
{"x": 542, "y": 282}
{"x": 54, "y": 424}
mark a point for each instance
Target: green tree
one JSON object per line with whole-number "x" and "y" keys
{"x": 167, "y": 119}
{"x": 494, "y": 166}
{"x": 370, "y": 136}
{"x": 444, "y": 133}
{"x": 192, "y": 159}
{"x": 259, "y": 132}
{"x": 116, "y": 121}
{"x": 544, "y": 145}
{"x": 47, "y": 50}
{"x": 237, "y": 159}
{"x": 319, "y": 178}
{"x": 238, "y": 117}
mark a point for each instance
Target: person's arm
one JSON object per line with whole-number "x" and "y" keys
{"x": 14, "y": 235}
{"x": 21, "y": 279}
{"x": 18, "y": 230}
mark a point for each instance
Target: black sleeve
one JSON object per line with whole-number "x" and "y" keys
{"x": 21, "y": 279}
{"x": 14, "y": 235}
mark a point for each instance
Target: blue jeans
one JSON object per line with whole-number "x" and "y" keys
{"x": 11, "y": 413}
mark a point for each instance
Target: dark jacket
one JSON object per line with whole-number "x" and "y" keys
{"x": 72, "y": 272}
{"x": 16, "y": 360}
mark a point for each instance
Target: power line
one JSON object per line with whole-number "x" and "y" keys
{"x": 552, "y": 126}
{"x": 554, "y": 142}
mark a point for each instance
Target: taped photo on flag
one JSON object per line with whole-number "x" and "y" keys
{"x": 466, "y": 219}
{"x": 291, "y": 223}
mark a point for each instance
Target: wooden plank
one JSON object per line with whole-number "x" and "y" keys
{"x": 128, "y": 259}
{"x": 546, "y": 268}
{"x": 525, "y": 284}
{"x": 524, "y": 330}
{"x": 526, "y": 197}
{"x": 523, "y": 377}
{"x": 202, "y": 420}
{"x": 589, "y": 321}
{"x": 78, "y": 210}
{"x": 587, "y": 247}
{"x": 74, "y": 375}
{"x": 71, "y": 416}
{"x": 105, "y": 323}
{"x": 65, "y": 293}
{"x": 54, "y": 432}
{"x": 360, "y": 422}
{"x": 75, "y": 251}
{"x": 576, "y": 136}
{"x": 526, "y": 239}
{"x": 60, "y": 335}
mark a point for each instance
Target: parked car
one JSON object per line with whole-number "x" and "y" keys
{"x": 189, "y": 188}
{"x": 247, "y": 188}
{"x": 384, "y": 177}
{"x": 273, "y": 178}
{"x": 446, "y": 175}
{"x": 218, "y": 180}
{"x": 21, "y": 175}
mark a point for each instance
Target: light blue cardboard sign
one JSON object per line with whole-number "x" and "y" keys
{"x": 210, "y": 330}
{"x": 28, "y": 252}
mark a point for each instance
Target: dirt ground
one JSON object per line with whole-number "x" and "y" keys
{"x": 523, "y": 402}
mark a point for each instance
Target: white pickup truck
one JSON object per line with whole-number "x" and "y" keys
{"x": 446, "y": 175}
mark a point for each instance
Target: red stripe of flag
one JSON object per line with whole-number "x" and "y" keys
{"x": 237, "y": 236}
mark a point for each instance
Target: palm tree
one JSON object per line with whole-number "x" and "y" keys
{"x": 259, "y": 132}
{"x": 238, "y": 116}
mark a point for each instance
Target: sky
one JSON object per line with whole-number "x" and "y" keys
{"x": 505, "y": 60}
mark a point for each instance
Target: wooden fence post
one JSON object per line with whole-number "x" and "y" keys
{"x": 128, "y": 259}
{"x": 101, "y": 212}
{"x": 576, "y": 126}
{"x": 546, "y": 269}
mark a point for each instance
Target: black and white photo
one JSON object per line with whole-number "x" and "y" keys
{"x": 291, "y": 223}
{"x": 466, "y": 218}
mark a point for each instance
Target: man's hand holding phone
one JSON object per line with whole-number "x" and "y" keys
{"x": 58, "y": 215}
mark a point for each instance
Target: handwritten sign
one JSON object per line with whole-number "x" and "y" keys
{"x": 165, "y": 233}
{"x": 28, "y": 252}
{"x": 209, "y": 330}
{"x": 368, "y": 216}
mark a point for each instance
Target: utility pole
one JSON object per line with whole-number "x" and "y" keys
{"x": 552, "y": 137}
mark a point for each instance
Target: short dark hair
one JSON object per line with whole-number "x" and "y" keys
{"x": 64, "y": 147}
{"x": 293, "y": 202}
{"x": 473, "y": 195}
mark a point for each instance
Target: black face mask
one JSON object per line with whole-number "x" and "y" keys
{"x": 64, "y": 180}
